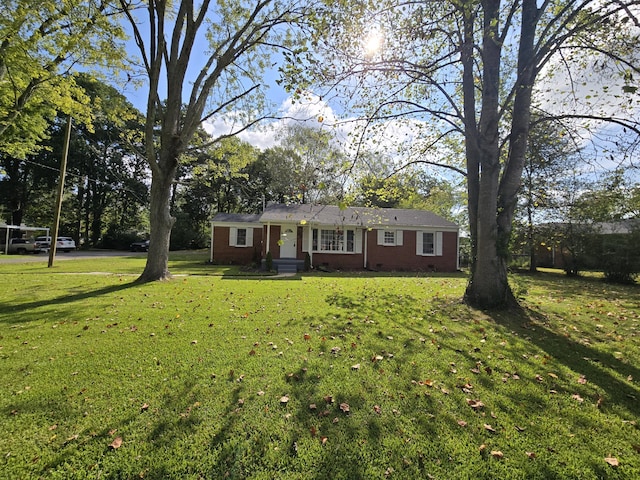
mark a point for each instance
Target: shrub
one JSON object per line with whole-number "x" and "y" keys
{"x": 269, "y": 262}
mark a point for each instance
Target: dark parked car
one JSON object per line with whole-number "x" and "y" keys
{"x": 142, "y": 246}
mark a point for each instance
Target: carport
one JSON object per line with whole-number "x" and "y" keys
{"x": 22, "y": 228}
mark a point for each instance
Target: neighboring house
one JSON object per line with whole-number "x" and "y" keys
{"x": 566, "y": 243}
{"x": 353, "y": 238}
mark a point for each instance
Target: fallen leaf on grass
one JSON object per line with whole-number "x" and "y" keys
{"x": 377, "y": 409}
{"x": 117, "y": 443}
{"x": 355, "y": 367}
{"x": 144, "y": 407}
{"x": 613, "y": 461}
{"x": 582, "y": 380}
{"x": 284, "y": 399}
{"x": 475, "y": 404}
{"x": 531, "y": 455}
{"x": 552, "y": 375}
{"x": 344, "y": 407}
{"x": 497, "y": 454}
{"x": 577, "y": 397}
{"x": 520, "y": 429}
{"x": 489, "y": 428}
{"x": 462, "y": 423}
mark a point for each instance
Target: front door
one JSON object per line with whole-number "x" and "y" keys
{"x": 288, "y": 239}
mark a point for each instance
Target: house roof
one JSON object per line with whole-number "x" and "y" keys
{"x": 350, "y": 216}
{"x": 236, "y": 218}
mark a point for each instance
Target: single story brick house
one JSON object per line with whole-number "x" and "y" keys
{"x": 352, "y": 238}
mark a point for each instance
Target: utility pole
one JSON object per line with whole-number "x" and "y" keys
{"x": 63, "y": 172}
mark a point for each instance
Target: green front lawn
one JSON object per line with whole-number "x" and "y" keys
{"x": 318, "y": 377}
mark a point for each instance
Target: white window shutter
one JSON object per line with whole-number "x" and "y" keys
{"x": 419, "y": 237}
{"x": 438, "y": 242}
{"x": 380, "y": 237}
{"x": 233, "y": 236}
{"x": 249, "y": 237}
{"x": 358, "y": 239}
{"x": 399, "y": 237}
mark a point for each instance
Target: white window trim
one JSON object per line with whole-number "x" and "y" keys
{"x": 233, "y": 237}
{"x": 307, "y": 236}
{"x": 437, "y": 240}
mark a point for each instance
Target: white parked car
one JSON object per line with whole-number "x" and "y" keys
{"x": 66, "y": 244}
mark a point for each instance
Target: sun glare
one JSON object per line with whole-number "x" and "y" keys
{"x": 373, "y": 42}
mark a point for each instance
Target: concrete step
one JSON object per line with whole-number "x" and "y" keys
{"x": 287, "y": 268}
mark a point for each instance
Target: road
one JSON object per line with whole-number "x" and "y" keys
{"x": 44, "y": 257}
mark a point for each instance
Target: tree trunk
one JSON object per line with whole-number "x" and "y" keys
{"x": 533, "y": 267}
{"x": 161, "y": 222}
{"x": 492, "y": 205}
{"x": 488, "y": 286}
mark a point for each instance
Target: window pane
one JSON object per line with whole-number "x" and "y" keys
{"x": 241, "y": 237}
{"x": 331, "y": 241}
{"x": 389, "y": 238}
{"x": 350, "y": 242}
{"x": 428, "y": 244}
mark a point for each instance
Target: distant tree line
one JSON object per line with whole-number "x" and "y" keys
{"x": 106, "y": 198}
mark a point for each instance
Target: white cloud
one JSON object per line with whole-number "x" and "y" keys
{"x": 310, "y": 110}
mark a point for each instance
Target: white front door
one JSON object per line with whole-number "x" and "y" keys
{"x": 288, "y": 239}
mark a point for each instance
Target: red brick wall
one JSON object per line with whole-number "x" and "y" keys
{"x": 225, "y": 254}
{"x": 404, "y": 257}
{"x": 401, "y": 258}
{"x": 274, "y": 248}
{"x": 385, "y": 258}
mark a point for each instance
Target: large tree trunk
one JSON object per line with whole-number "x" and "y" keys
{"x": 492, "y": 196}
{"x": 488, "y": 286}
{"x": 161, "y": 221}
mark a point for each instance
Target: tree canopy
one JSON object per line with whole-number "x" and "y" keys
{"x": 42, "y": 44}
{"x": 227, "y": 80}
{"x": 474, "y": 71}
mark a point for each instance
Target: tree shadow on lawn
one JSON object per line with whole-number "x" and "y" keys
{"x": 579, "y": 357}
{"x": 12, "y": 313}
{"x": 530, "y": 325}
{"x": 151, "y": 435}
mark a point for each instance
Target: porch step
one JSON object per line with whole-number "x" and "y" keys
{"x": 287, "y": 268}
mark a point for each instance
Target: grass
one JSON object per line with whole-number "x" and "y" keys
{"x": 322, "y": 376}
